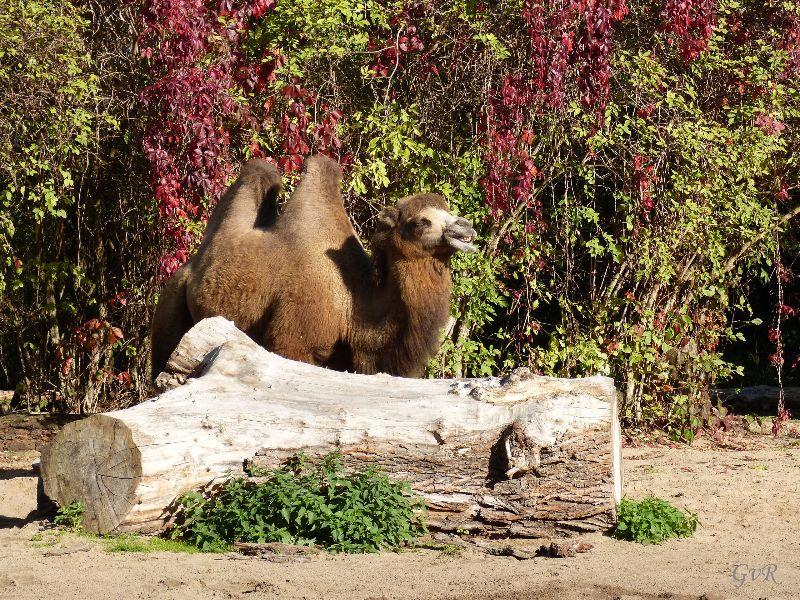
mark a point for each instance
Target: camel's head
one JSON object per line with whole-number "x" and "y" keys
{"x": 424, "y": 226}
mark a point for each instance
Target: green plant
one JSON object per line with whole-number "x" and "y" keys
{"x": 630, "y": 223}
{"x": 70, "y": 202}
{"x": 652, "y": 520}
{"x": 70, "y": 527}
{"x": 134, "y": 543}
{"x": 70, "y": 516}
{"x": 451, "y": 550}
{"x": 307, "y": 504}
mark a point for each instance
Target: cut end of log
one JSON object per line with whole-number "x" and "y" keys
{"x": 94, "y": 461}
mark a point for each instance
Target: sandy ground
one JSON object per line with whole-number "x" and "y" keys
{"x": 747, "y": 499}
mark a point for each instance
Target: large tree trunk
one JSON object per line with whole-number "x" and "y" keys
{"x": 520, "y": 456}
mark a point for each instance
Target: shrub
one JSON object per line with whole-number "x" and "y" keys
{"x": 651, "y": 521}
{"x": 629, "y": 166}
{"x": 303, "y": 504}
{"x": 76, "y": 225}
{"x": 626, "y": 171}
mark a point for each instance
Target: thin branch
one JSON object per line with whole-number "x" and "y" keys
{"x": 733, "y": 260}
{"x": 494, "y": 240}
{"x": 396, "y": 65}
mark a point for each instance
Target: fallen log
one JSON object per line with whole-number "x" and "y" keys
{"x": 519, "y": 456}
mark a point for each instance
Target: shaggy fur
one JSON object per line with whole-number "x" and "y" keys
{"x": 302, "y": 285}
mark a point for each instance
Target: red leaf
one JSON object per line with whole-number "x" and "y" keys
{"x": 93, "y": 324}
{"x": 114, "y": 334}
{"x": 66, "y": 365}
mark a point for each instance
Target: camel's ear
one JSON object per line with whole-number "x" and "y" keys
{"x": 389, "y": 218}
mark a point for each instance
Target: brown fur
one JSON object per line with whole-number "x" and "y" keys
{"x": 302, "y": 284}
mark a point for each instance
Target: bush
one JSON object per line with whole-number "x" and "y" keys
{"x": 303, "y": 504}
{"x": 651, "y": 521}
{"x": 628, "y": 165}
{"x": 76, "y": 226}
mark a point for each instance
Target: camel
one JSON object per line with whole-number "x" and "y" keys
{"x": 302, "y": 285}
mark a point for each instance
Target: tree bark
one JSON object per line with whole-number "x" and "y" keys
{"x": 519, "y": 456}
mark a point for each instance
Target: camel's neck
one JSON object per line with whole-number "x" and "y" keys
{"x": 408, "y": 311}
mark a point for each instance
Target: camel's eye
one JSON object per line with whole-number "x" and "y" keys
{"x": 417, "y": 227}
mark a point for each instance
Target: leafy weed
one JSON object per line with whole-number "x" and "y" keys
{"x": 70, "y": 516}
{"x": 652, "y": 520}
{"x": 305, "y": 504}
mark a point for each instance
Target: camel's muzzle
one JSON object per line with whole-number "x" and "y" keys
{"x": 459, "y": 235}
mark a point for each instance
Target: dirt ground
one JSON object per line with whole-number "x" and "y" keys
{"x": 746, "y": 493}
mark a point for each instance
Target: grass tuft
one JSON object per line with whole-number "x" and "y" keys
{"x": 70, "y": 516}
{"x": 134, "y": 543}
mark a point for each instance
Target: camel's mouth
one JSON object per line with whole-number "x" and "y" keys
{"x": 460, "y": 235}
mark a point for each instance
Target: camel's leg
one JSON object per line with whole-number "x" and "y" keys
{"x": 170, "y": 321}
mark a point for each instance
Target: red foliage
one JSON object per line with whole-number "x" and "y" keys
{"x": 506, "y": 155}
{"x": 294, "y": 126}
{"x": 194, "y": 57}
{"x": 562, "y": 33}
{"x": 565, "y": 32}
{"x": 195, "y": 54}
{"x": 769, "y": 124}
{"x": 643, "y": 178}
{"x": 595, "y": 50}
{"x": 691, "y": 23}
{"x": 395, "y": 46}
{"x": 780, "y": 421}
{"x": 792, "y": 46}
